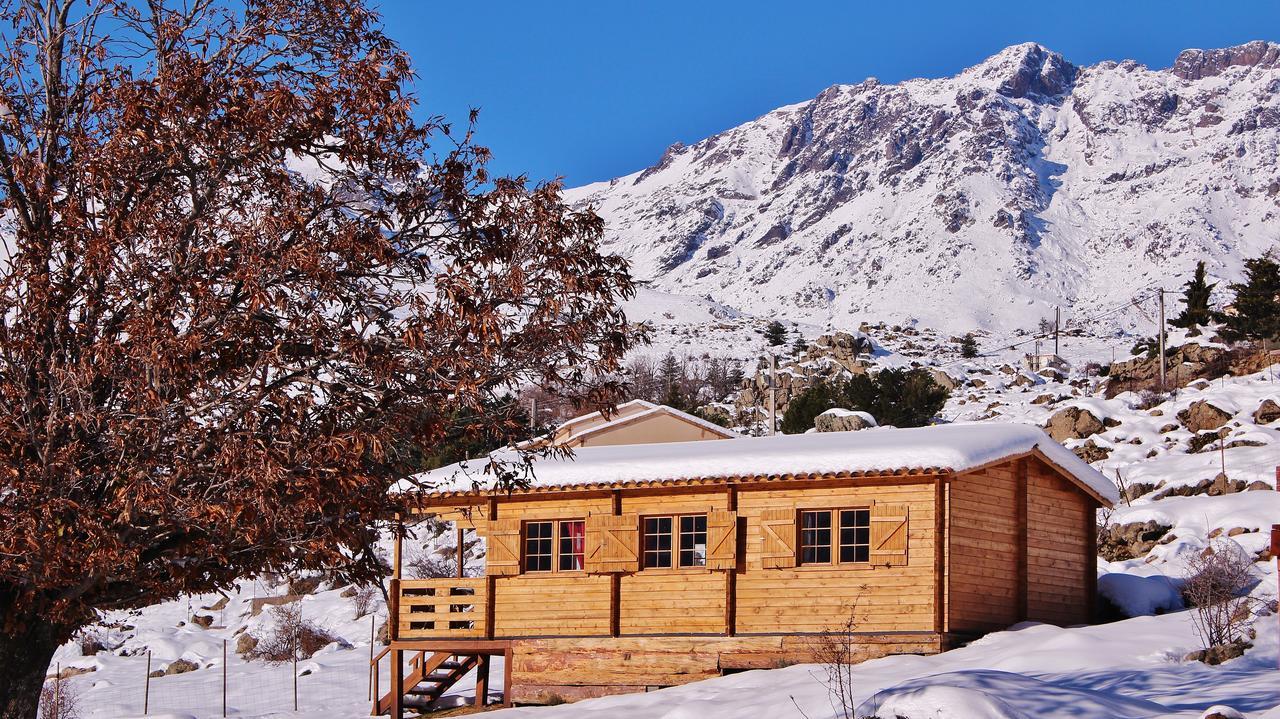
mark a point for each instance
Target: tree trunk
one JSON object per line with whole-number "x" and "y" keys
{"x": 25, "y": 654}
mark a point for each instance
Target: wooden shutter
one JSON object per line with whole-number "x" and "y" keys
{"x": 613, "y": 543}
{"x": 722, "y": 539}
{"x": 778, "y": 527}
{"x": 889, "y": 534}
{"x": 503, "y": 554}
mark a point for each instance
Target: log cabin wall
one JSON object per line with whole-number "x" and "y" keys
{"x": 895, "y": 590}
{"x": 1022, "y": 547}
{"x": 984, "y": 553}
{"x": 805, "y": 599}
{"x": 1062, "y": 557}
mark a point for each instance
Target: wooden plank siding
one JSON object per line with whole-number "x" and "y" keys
{"x": 1061, "y": 564}
{"x": 1021, "y": 548}
{"x": 816, "y": 599}
{"x": 984, "y": 541}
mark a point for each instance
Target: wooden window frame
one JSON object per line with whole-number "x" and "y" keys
{"x": 555, "y": 547}
{"x": 674, "y": 550}
{"x": 834, "y": 544}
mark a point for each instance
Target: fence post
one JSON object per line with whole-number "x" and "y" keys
{"x": 296, "y": 647}
{"x": 57, "y": 690}
{"x": 146, "y": 686}
{"x": 373, "y": 619}
{"x": 224, "y": 677}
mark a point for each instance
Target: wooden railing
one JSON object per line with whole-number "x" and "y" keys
{"x": 442, "y": 608}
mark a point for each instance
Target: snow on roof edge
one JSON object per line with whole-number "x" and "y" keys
{"x": 955, "y": 447}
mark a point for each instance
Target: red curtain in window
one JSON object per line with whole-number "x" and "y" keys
{"x": 577, "y": 534}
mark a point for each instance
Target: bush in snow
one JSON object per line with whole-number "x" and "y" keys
{"x": 59, "y": 699}
{"x": 1217, "y": 590}
{"x": 365, "y": 599}
{"x": 838, "y": 651}
{"x": 291, "y": 637}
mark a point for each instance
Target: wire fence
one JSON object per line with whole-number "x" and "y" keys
{"x": 211, "y": 679}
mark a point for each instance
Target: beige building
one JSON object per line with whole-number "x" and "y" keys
{"x": 636, "y": 422}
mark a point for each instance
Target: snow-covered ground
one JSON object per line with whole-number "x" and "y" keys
{"x": 1132, "y": 668}
{"x": 1123, "y": 670}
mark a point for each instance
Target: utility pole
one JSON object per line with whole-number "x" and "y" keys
{"x": 1162, "y": 359}
{"x": 772, "y": 383}
{"x": 533, "y": 413}
{"x": 1057, "y": 323}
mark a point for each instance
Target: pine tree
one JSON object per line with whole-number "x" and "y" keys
{"x": 775, "y": 333}
{"x": 1256, "y": 303}
{"x": 1196, "y": 298}
{"x": 968, "y": 346}
{"x": 802, "y": 410}
{"x": 798, "y": 346}
{"x": 670, "y": 376}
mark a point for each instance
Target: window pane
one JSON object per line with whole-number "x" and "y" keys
{"x": 657, "y": 542}
{"x": 572, "y": 545}
{"x": 815, "y": 537}
{"x": 537, "y": 546}
{"x": 855, "y": 535}
{"x": 693, "y": 540}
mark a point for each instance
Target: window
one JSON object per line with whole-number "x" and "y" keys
{"x": 693, "y": 540}
{"x": 537, "y": 546}
{"x": 572, "y": 544}
{"x": 663, "y": 534}
{"x": 855, "y": 535}
{"x": 815, "y": 537}
{"x": 657, "y": 542}
{"x": 851, "y": 544}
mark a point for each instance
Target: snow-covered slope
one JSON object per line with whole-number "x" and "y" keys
{"x": 979, "y": 200}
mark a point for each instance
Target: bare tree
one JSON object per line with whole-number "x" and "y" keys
{"x": 837, "y": 651}
{"x": 1217, "y": 590}
{"x": 236, "y": 273}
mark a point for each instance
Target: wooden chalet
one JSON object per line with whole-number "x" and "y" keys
{"x": 635, "y": 422}
{"x": 630, "y": 567}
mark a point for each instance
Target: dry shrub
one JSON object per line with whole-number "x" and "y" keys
{"x": 1217, "y": 590}
{"x": 1150, "y": 398}
{"x": 59, "y": 699}
{"x": 91, "y": 643}
{"x": 426, "y": 565}
{"x": 365, "y": 600}
{"x": 291, "y": 637}
{"x": 837, "y": 651}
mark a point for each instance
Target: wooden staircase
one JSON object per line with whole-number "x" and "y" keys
{"x": 430, "y": 674}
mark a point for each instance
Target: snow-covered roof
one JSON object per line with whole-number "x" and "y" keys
{"x": 938, "y": 449}
{"x": 652, "y": 410}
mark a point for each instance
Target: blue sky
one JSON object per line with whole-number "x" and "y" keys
{"x": 592, "y": 90}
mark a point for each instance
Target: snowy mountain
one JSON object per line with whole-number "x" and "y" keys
{"x": 979, "y": 200}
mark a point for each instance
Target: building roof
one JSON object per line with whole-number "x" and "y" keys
{"x": 952, "y": 448}
{"x": 650, "y": 411}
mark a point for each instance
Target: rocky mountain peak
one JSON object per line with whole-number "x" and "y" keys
{"x": 1198, "y": 64}
{"x": 981, "y": 200}
{"x": 1028, "y": 69}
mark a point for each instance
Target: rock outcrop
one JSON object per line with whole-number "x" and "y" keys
{"x": 1073, "y": 423}
{"x": 1201, "y": 416}
{"x": 842, "y": 420}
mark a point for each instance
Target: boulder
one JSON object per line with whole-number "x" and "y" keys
{"x": 943, "y": 379}
{"x": 1091, "y": 452}
{"x": 842, "y": 420}
{"x": 1201, "y": 416}
{"x": 245, "y": 644}
{"x": 1219, "y": 654}
{"x": 203, "y": 621}
{"x": 180, "y": 666}
{"x": 1267, "y": 412}
{"x": 1073, "y": 423}
{"x": 1128, "y": 541}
